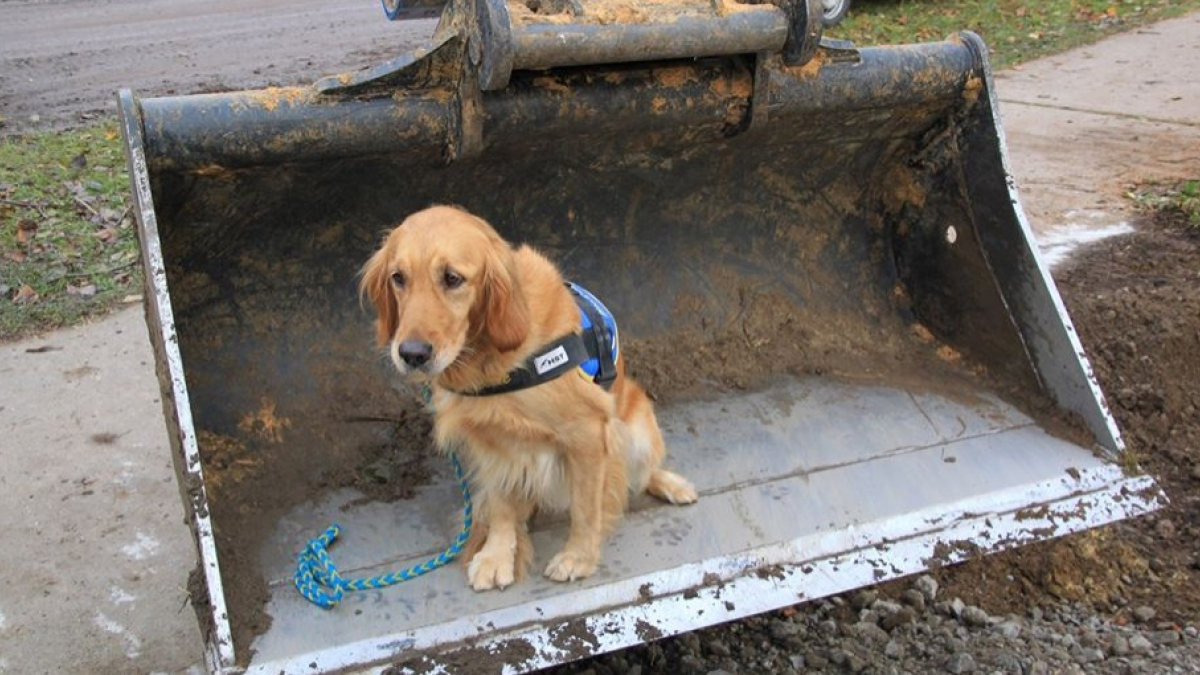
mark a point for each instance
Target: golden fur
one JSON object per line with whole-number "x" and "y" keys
{"x": 460, "y": 308}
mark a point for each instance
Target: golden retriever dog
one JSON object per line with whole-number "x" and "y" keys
{"x": 461, "y": 309}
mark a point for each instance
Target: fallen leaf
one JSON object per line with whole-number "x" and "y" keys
{"x": 25, "y": 295}
{"x": 1111, "y": 12}
{"x": 15, "y": 256}
{"x": 83, "y": 290}
{"x": 111, "y": 135}
{"x": 25, "y": 230}
{"x": 1021, "y": 11}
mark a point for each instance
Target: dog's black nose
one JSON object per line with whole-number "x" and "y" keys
{"x": 416, "y": 353}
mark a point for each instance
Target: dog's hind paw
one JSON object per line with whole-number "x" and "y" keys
{"x": 569, "y": 566}
{"x": 671, "y": 487}
{"x": 486, "y": 572}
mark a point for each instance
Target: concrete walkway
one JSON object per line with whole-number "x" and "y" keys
{"x": 1085, "y": 125}
{"x": 95, "y": 556}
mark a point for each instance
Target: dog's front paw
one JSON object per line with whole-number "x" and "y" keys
{"x": 487, "y": 571}
{"x": 570, "y": 565}
{"x": 671, "y": 487}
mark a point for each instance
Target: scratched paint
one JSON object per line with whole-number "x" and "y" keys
{"x": 143, "y": 547}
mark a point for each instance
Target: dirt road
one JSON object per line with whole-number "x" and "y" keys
{"x": 61, "y": 62}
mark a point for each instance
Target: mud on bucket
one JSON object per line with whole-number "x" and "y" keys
{"x": 821, "y": 274}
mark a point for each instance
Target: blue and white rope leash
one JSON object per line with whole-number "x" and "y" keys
{"x": 318, "y": 579}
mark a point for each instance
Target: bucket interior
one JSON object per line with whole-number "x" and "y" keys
{"x": 808, "y": 302}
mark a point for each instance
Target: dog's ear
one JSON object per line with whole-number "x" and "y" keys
{"x": 505, "y": 313}
{"x": 376, "y": 284}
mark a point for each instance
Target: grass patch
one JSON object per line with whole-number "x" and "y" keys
{"x": 68, "y": 246}
{"x": 1015, "y": 30}
{"x": 1176, "y": 202}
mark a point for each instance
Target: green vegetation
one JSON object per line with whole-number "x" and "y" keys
{"x": 1015, "y": 30}
{"x": 1176, "y": 202}
{"x": 68, "y": 246}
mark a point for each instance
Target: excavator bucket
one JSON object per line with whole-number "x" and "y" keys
{"x": 815, "y": 252}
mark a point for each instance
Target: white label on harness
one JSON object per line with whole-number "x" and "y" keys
{"x": 550, "y": 360}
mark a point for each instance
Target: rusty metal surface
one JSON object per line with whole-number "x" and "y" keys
{"x": 702, "y": 99}
{"x": 848, "y": 220}
{"x": 544, "y": 46}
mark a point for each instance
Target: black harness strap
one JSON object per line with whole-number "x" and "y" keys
{"x": 563, "y": 355}
{"x": 549, "y": 363}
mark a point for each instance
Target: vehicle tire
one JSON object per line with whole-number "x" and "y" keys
{"x": 833, "y": 11}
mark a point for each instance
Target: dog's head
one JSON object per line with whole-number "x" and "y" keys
{"x": 445, "y": 289}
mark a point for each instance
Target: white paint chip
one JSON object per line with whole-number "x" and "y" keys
{"x": 126, "y": 477}
{"x": 133, "y": 645}
{"x": 119, "y": 596}
{"x": 143, "y": 548}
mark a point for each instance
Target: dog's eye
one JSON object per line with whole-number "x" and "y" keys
{"x": 452, "y": 279}
{"x": 398, "y": 279}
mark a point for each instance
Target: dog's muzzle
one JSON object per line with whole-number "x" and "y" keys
{"x": 416, "y": 353}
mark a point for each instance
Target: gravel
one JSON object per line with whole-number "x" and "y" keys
{"x": 917, "y": 632}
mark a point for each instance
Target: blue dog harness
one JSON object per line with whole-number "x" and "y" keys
{"x": 594, "y": 350}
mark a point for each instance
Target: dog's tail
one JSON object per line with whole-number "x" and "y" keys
{"x": 619, "y": 443}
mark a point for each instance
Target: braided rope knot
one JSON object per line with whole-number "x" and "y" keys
{"x": 319, "y": 581}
